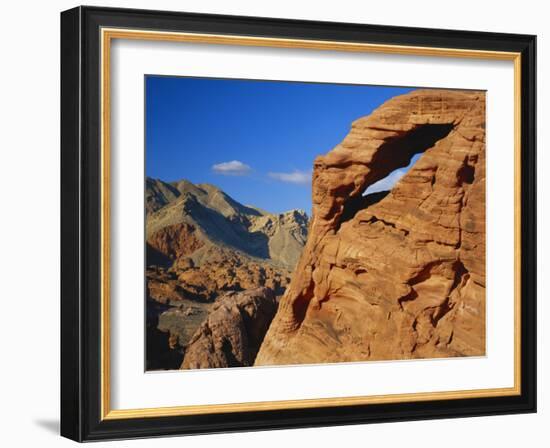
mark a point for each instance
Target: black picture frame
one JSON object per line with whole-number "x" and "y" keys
{"x": 81, "y": 214}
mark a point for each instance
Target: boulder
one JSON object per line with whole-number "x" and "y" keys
{"x": 233, "y": 331}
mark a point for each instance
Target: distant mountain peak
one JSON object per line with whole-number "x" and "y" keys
{"x": 219, "y": 220}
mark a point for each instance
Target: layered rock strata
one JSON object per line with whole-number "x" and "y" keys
{"x": 400, "y": 275}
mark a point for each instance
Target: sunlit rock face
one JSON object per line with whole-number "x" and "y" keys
{"x": 398, "y": 275}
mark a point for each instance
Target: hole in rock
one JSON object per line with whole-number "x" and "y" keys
{"x": 387, "y": 183}
{"x": 392, "y": 161}
{"x": 361, "y": 202}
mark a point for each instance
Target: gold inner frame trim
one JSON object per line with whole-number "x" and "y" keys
{"x": 107, "y": 35}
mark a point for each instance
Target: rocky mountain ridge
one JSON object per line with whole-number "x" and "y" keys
{"x": 209, "y": 217}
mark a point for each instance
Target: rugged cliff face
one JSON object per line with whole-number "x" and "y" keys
{"x": 397, "y": 275}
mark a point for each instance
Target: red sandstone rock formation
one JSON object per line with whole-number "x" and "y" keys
{"x": 233, "y": 331}
{"x": 176, "y": 240}
{"x": 400, "y": 275}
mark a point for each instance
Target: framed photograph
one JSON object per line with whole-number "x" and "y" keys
{"x": 275, "y": 224}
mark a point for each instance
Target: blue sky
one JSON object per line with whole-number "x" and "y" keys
{"x": 256, "y": 140}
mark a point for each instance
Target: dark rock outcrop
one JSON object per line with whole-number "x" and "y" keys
{"x": 161, "y": 350}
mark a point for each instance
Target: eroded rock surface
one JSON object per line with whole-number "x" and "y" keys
{"x": 202, "y": 244}
{"x": 400, "y": 275}
{"x": 233, "y": 331}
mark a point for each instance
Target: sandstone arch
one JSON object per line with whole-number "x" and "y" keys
{"x": 405, "y": 276}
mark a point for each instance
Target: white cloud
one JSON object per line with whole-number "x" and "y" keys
{"x": 296, "y": 177}
{"x": 233, "y": 168}
{"x": 387, "y": 183}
